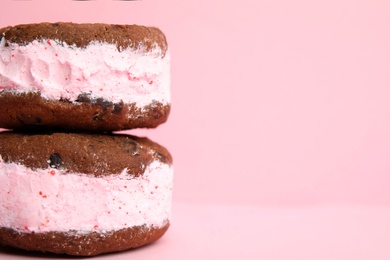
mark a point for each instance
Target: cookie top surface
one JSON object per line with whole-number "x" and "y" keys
{"x": 81, "y": 35}
{"x": 95, "y": 154}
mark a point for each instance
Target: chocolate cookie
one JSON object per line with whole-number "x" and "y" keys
{"x": 87, "y": 77}
{"x": 82, "y": 194}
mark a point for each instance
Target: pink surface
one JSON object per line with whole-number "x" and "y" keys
{"x": 248, "y": 232}
{"x": 274, "y": 103}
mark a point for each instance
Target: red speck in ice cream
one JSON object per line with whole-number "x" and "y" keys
{"x": 48, "y": 42}
{"x": 43, "y": 196}
{"x": 95, "y": 227}
{"x": 52, "y": 172}
{"x": 26, "y": 228}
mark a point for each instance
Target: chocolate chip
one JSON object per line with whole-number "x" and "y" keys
{"x": 103, "y": 103}
{"x": 84, "y": 97}
{"x": 131, "y": 147}
{"x": 65, "y": 100}
{"x": 55, "y": 160}
{"x": 117, "y": 108}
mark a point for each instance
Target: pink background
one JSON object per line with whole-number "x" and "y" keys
{"x": 279, "y": 127}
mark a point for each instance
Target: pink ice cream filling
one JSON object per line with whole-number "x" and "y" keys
{"x": 44, "y": 200}
{"x": 61, "y": 71}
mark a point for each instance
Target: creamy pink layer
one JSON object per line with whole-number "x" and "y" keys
{"x": 58, "y": 70}
{"x": 45, "y": 200}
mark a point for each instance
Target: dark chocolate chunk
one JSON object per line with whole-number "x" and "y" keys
{"x": 103, "y": 103}
{"x": 84, "y": 97}
{"x": 55, "y": 160}
{"x": 131, "y": 146}
{"x": 118, "y": 107}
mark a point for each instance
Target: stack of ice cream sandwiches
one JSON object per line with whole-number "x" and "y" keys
{"x": 68, "y": 184}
